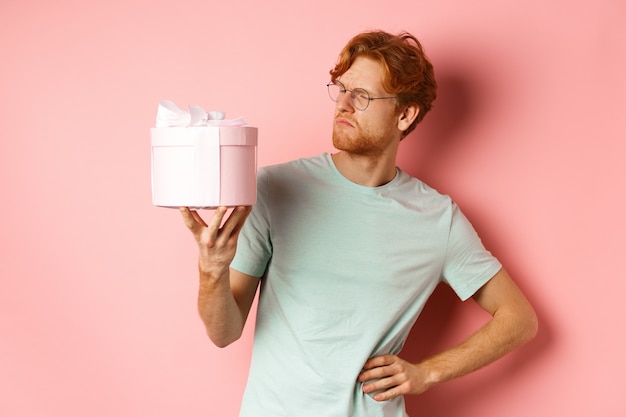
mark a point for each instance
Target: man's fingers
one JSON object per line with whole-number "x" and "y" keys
{"x": 218, "y": 231}
{"x": 375, "y": 373}
{"x": 235, "y": 221}
{"x": 216, "y": 220}
{"x": 377, "y": 361}
{"x": 188, "y": 217}
{"x": 242, "y": 220}
{"x": 199, "y": 220}
{"x": 197, "y": 225}
{"x": 192, "y": 218}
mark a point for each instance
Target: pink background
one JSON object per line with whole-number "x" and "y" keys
{"x": 98, "y": 287}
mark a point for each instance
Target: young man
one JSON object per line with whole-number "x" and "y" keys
{"x": 348, "y": 248}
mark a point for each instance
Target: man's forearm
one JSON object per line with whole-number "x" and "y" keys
{"x": 218, "y": 309}
{"x": 393, "y": 376}
{"x": 502, "y": 334}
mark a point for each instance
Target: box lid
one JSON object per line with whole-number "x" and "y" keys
{"x": 186, "y": 136}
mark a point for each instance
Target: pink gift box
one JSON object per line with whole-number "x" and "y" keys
{"x": 204, "y": 166}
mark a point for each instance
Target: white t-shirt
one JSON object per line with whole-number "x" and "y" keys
{"x": 346, "y": 270}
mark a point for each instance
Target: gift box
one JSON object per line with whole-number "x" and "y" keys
{"x": 207, "y": 163}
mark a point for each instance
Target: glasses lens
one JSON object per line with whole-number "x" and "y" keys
{"x": 333, "y": 91}
{"x": 360, "y": 98}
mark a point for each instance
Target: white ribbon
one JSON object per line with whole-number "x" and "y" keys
{"x": 170, "y": 115}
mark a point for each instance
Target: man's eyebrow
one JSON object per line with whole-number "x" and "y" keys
{"x": 352, "y": 87}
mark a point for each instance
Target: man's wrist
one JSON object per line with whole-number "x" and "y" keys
{"x": 210, "y": 275}
{"x": 432, "y": 375}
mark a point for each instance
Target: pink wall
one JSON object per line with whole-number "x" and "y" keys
{"x": 97, "y": 295}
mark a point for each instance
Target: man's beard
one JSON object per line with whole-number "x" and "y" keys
{"x": 362, "y": 144}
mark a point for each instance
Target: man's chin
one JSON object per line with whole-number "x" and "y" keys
{"x": 340, "y": 145}
{"x": 343, "y": 142}
{"x": 354, "y": 148}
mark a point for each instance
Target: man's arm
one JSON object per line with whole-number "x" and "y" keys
{"x": 224, "y": 305}
{"x": 224, "y": 295}
{"x": 513, "y": 323}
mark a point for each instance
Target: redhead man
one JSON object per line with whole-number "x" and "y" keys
{"x": 346, "y": 249}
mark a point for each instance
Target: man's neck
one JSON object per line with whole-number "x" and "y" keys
{"x": 365, "y": 170}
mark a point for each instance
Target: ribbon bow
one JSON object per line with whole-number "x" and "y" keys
{"x": 170, "y": 115}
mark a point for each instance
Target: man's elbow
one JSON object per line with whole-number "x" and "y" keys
{"x": 528, "y": 324}
{"x": 223, "y": 340}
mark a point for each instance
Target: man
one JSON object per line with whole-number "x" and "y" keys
{"x": 347, "y": 249}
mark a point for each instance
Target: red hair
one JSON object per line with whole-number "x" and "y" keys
{"x": 407, "y": 71}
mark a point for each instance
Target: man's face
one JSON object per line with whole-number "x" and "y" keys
{"x": 372, "y": 131}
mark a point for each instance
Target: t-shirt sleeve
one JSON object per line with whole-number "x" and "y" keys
{"x": 254, "y": 247}
{"x": 467, "y": 264}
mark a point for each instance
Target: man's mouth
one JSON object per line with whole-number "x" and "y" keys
{"x": 342, "y": 121}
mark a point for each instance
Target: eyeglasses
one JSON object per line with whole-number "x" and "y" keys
{"x": 359, "y": 97}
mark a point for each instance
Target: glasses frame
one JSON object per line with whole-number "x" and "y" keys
{"x": 353, "y": 93}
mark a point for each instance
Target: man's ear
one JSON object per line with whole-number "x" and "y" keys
{"x": 407, "y": 116}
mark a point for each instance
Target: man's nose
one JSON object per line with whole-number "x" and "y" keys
{"x": 345, "y": 102}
